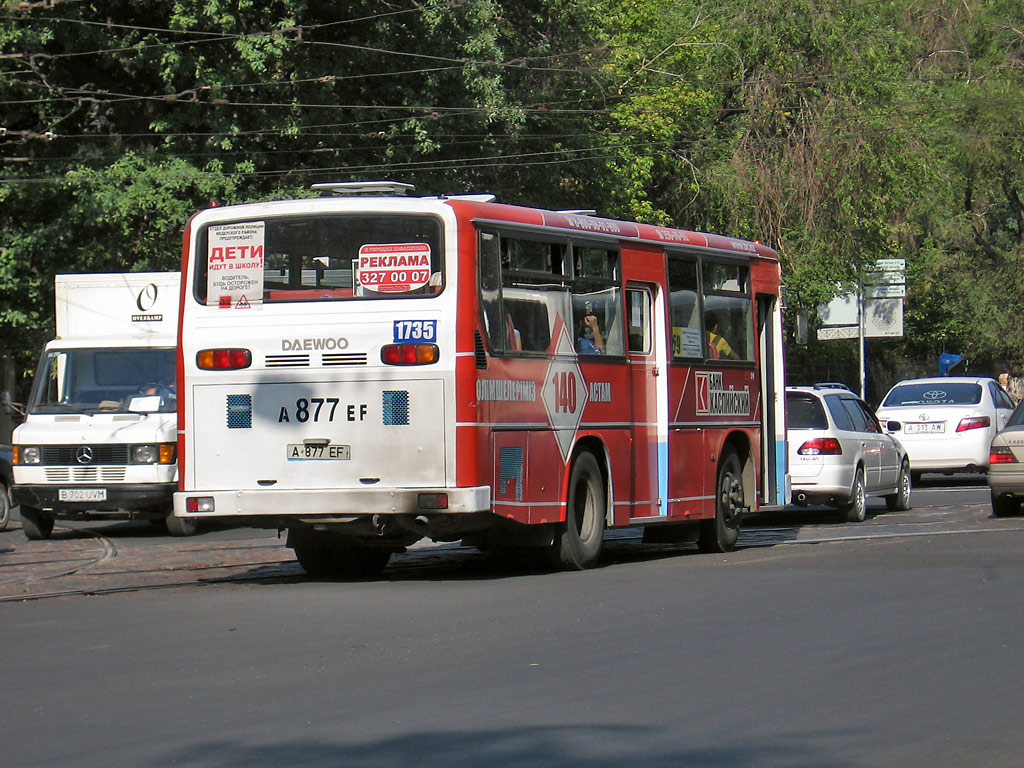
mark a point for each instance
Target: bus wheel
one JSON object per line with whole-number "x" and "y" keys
{"x": 326, "y": 555}
{"x": 181, "y": 526}
{"x": 720, "y": 533}
{"x": 579, "y": 544}
{"x": 35, "y": 524}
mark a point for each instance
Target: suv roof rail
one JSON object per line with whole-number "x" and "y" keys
{"x": 364, "y": 188}
{"x": 832, "y": 385}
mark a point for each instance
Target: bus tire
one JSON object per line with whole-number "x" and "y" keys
{"x": 326, "y": 555}
{"x": 181, "y": 526}
{"x": 579, "y": 542}
{"x": 35, "y": 523}
{"x": 719, "y": 534}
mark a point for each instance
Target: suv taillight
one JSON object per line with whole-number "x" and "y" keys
{"x": 821, "y": 446}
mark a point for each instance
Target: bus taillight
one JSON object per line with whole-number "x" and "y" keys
{"x": 223, "y": 359}
{"x": 409, "y": 354}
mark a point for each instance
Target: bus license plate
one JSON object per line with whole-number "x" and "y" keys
{"x": 82, "y": 494}
{"x": 303, "y": 452}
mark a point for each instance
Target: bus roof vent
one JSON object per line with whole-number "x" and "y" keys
{"x": 364, "y": 188}
{"x": 580, "y": 212}
{"x": 486, "y": 197}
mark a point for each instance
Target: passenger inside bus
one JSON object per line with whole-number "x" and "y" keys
{"x": 588, "y": 334}
{"x": 717, "y": 345}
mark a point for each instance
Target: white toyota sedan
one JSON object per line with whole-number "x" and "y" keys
{"x": 946, "y": 423}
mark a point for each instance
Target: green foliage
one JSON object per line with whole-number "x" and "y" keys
{"x": 837, "y": 132}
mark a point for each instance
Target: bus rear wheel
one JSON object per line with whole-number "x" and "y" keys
{"x": 327, "y": 555}
{"x": 181, "y": 526}
{"x": 720, "y": 533}
{"x": 35, "y": 523}
{"x": 579, "y": 543}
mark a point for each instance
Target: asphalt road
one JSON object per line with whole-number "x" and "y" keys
{"x": 894, "y": 642}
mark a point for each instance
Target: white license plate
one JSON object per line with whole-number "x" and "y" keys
{"x": 82, "y": 494}
{"x": 927, "y": 427}
{"x": 303, "y": 452}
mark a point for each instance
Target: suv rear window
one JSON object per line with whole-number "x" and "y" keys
{"x": 804, "y": 411}
{"x": 934, "y": 393}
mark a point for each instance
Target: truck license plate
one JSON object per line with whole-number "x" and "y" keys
{"x": 82, "y": 494}
{"x": 303, "y": 452}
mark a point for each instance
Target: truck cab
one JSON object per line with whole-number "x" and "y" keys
{"x": 99, "y": 438}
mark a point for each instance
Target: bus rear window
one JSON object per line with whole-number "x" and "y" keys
{"x": 326, "y": 257}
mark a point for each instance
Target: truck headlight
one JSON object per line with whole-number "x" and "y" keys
{"x": 144, "y": 454}
{"x": 31, "y": 454}
{"x": 160, "y": 453}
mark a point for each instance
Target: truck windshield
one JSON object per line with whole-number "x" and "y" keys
{"x": 107, "y": 380}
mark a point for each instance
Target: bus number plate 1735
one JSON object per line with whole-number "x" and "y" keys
{"x": 312, "y": 452}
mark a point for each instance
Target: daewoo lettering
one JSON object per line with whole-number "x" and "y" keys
{"x": 320, "y": 342}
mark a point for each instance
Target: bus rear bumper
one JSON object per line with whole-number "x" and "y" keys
{"x": 331, "y": 506}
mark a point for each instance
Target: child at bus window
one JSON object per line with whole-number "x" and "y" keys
{"x": 589, "y": 340}
{"x": 717, "y": 345}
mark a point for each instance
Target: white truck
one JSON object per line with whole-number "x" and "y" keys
{"x": 99, "y": 439}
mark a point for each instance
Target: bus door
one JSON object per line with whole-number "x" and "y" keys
{"x": 648, "y": 371}
{"x": 773, "y": 427}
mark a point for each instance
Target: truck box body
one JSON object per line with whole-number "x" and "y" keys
{"x": 98, "y": 439}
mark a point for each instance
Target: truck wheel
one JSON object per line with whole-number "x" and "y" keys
{"x": 579, "y": 544}
{"x": 181, "y": 526}
{"x": 35, "y": 523}
{"x": 5, "y": 506}
{"x": 326, "y": 555}
{"x": 720, "y": 533}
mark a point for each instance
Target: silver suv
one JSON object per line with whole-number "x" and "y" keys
{"x": 839, "y": 454}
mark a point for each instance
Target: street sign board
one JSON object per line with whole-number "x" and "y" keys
{"x": 837, "y": 332}
{"x": 889, "y": 291}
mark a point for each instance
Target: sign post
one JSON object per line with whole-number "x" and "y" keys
{"x": 873, "y": 310}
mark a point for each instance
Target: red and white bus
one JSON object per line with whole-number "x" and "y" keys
{"x": 369, "y": 368}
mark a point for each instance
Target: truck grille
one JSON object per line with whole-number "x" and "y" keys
{"x": 85, "y": 474}
{"x": 68, "y": 455}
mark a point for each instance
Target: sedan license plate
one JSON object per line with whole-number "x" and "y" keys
{"x": 82, "y": 494}
{"x": 926, "y": 427}
{"x": 317, "y": 452}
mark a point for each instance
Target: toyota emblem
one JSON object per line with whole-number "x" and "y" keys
{"x": 84, "y": 454}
